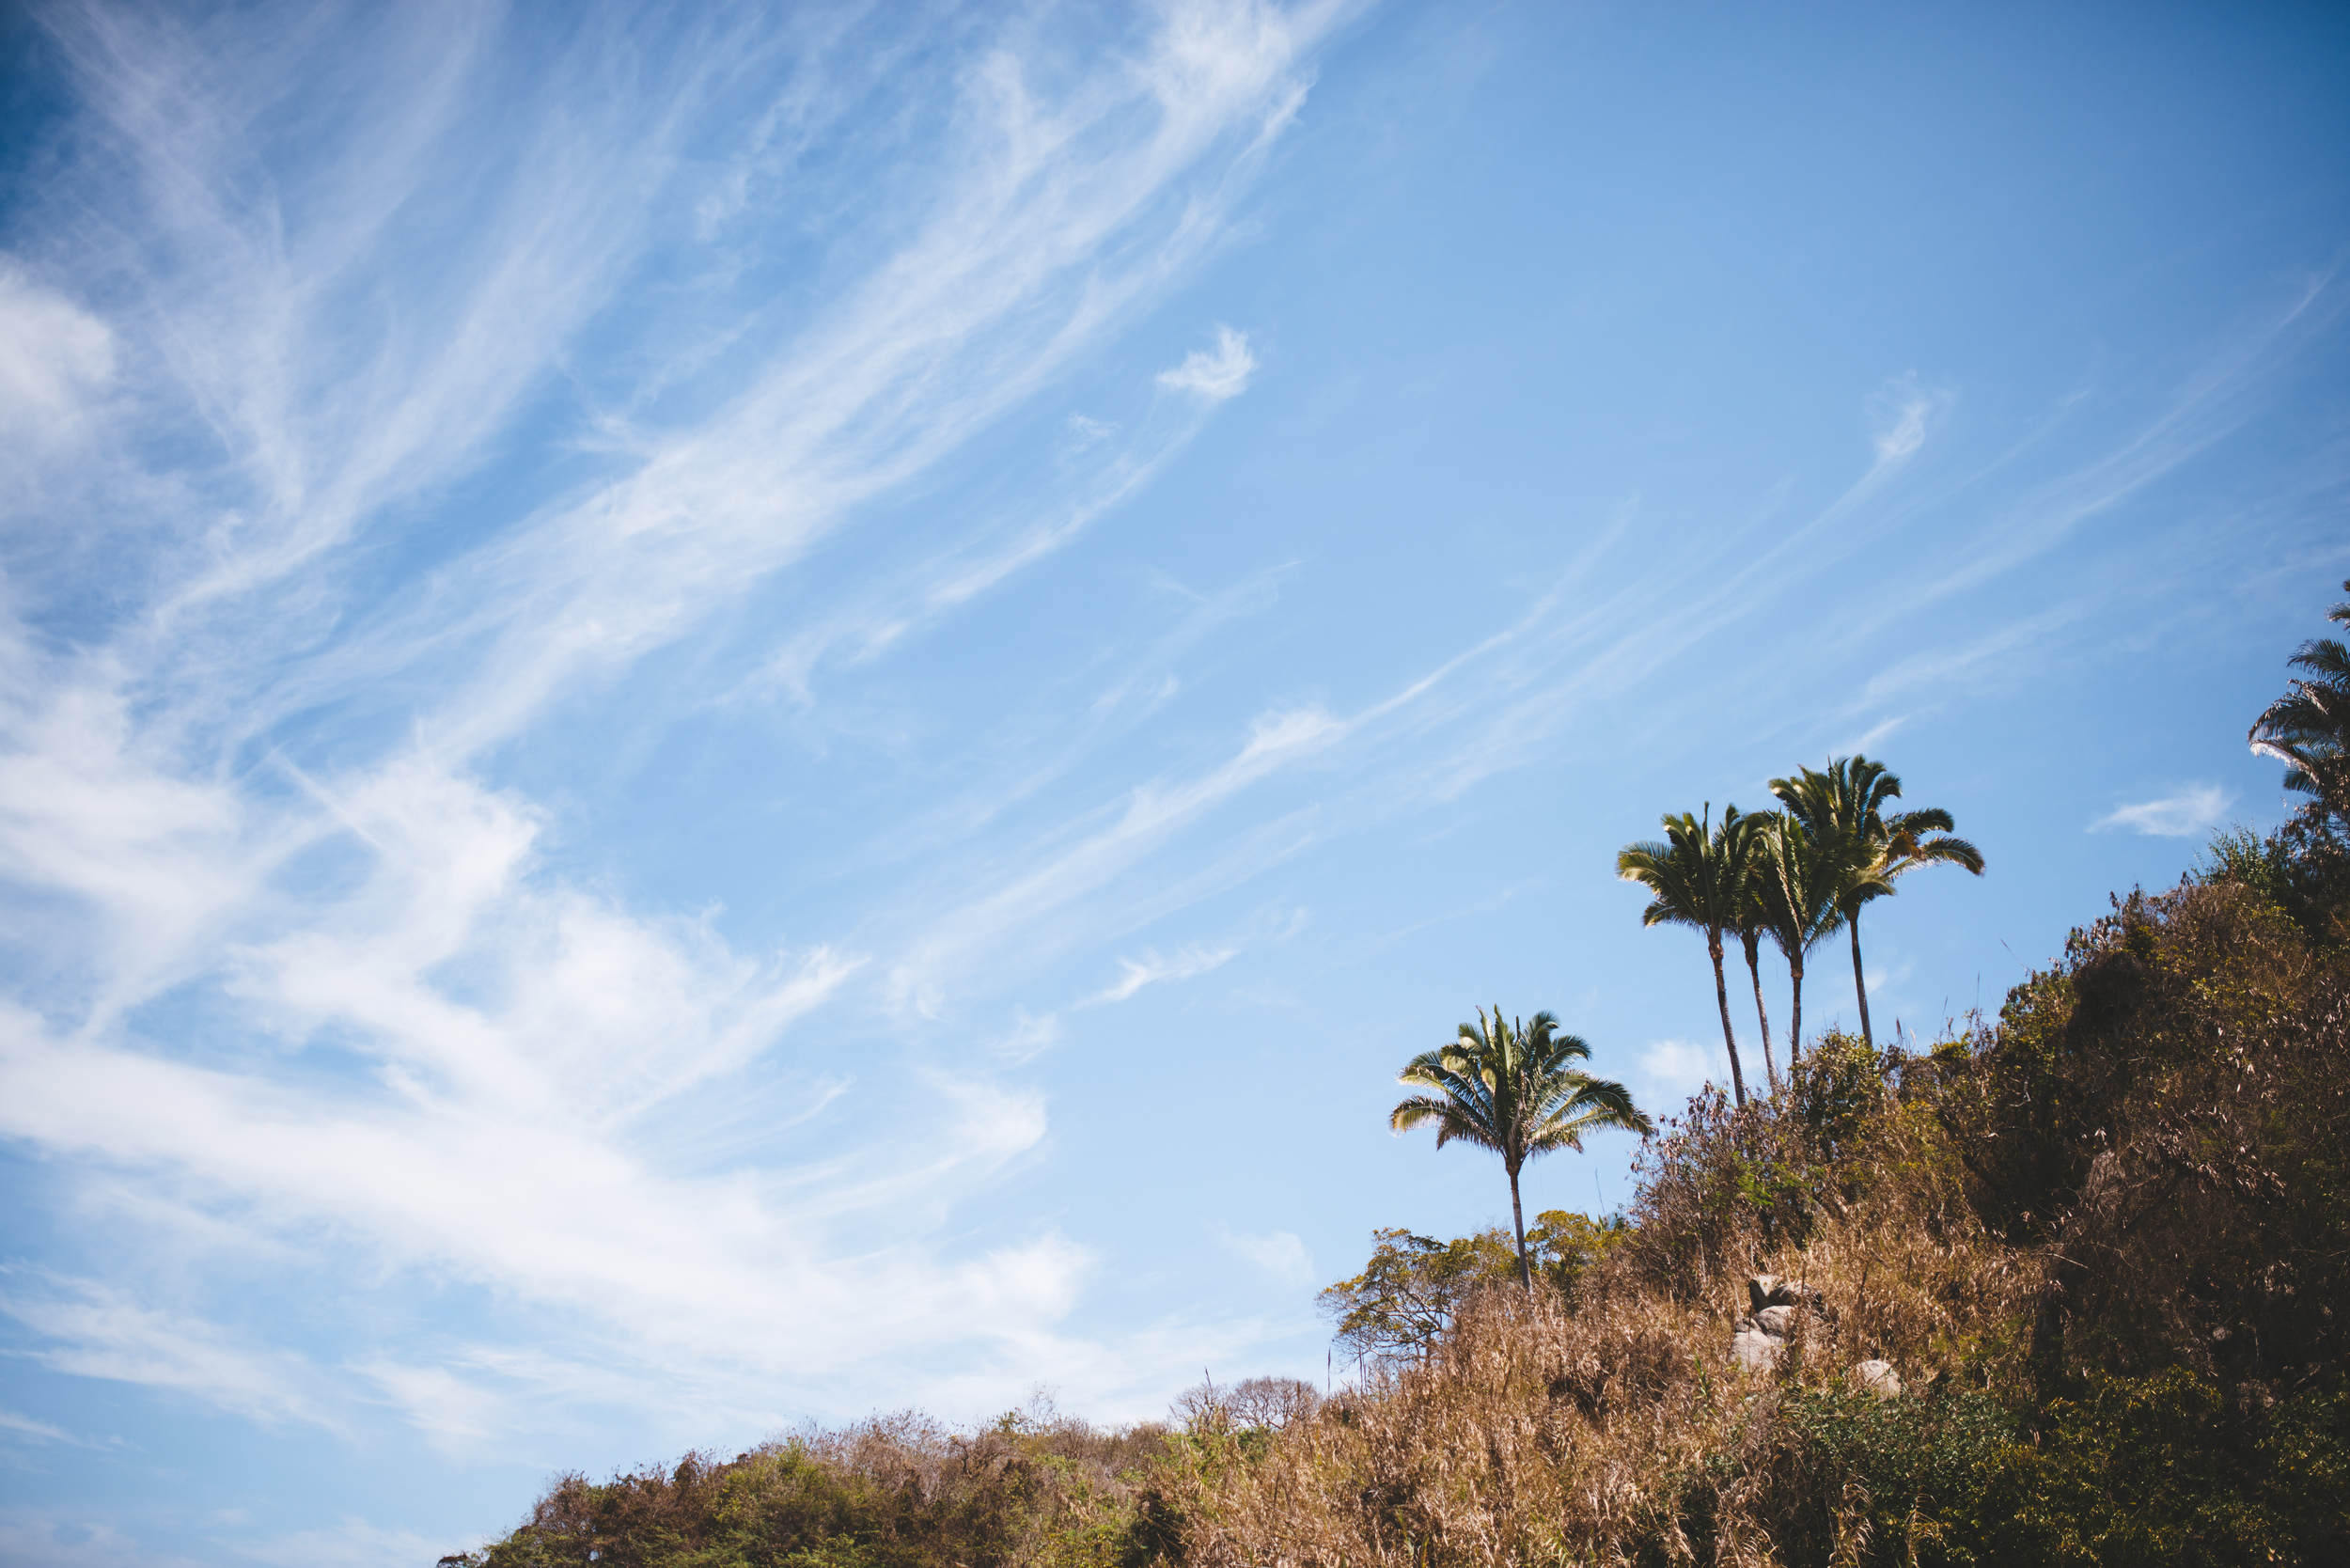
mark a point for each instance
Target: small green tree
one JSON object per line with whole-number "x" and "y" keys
{"x": 1413, "y": 1287}
{"x": 1512, "y": 1088}
{"x": 1409, "y": 1292}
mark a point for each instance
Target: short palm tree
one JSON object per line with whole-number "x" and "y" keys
{"x": 1847, "y": 804}
{"x": 1696, "y": 877}
{"x": 1512, "y": 1088}
{"x": 1802, "y": 875}
{"x": 2309, "y": 727}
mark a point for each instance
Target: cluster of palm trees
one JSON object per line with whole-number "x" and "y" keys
{"x": 1796, "y": 875}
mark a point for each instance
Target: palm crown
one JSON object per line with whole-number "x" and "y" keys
{"x": 2309, "y": 727}
{"x": 1513, "y": 1087}
{"x": 1803, "y": 871}
{"x": 1845, "y": 807}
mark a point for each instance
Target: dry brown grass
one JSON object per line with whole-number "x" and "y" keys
{"x": 1543, "y": 1434}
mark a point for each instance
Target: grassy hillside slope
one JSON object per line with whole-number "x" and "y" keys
{"x": 2102, "y": 1242}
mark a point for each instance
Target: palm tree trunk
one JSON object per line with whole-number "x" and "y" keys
{"x": 1795, "y": 1022}
{"x": 1721, "y": 994}
{"x": 1860, "y": 983}
{"x": 1517, "y": 1217}
{"x": 1762, "y": 1014}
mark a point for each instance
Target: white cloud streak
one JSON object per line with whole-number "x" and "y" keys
{"x": 266, "y": 779}
{"x": 90, "y": 1329}
{"x": 1218, "y": 375}
{"x": 1278, "y": 1253}
{"x": 1150, "y": 969}
{"x": 2186, "y": 813}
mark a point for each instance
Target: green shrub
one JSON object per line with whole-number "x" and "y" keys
{"x": 2154, "y": 1472}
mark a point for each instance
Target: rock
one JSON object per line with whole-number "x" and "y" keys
{"x": 1766, "y": 1290}
{"x": 1751, "y": 1347}
{"x": 1877, "y": 1377}
{"x": 1773, "y": 1305}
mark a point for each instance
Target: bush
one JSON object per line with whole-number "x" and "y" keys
{"x": 1035, "y": 1489}
{"x": 2152, "y": 1472}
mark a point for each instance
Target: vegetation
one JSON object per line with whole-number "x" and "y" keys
{"x": 1413, "y": 1290}
{"x": 1697, "y": 875}
{"x": 2101, "y": 1244}
{"x": 1845, "y": 807}
{"x": 2308, "y": 729}
{"x": 1513, "y": 1088}
{"x": 1796, "y": 875}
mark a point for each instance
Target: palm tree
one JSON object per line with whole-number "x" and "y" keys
{"x": 1802, "y": 875}
{"x": 1509, "y": 1088}
{"x": 1847, "y": 802}
{"x": 1697, "y": 877}
{"x": 2309, "y": 727}
{"x": 1754, "y": 923}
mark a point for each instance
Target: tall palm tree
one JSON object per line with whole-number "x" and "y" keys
{"x": 1754, "y": 923}
{"x": 1802, "y": 875}
{"x": 1847, "y": 802}
{"x": 1512, "y": 1088}
{"x": 2309, "y": 727}
{"x": 1696, "y": 877}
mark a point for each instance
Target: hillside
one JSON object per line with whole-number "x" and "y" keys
{"x": 2102, "y": 1243}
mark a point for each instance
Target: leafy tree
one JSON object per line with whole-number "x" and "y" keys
{"x": 2309, "y": 728}
{"x": 1697, "y": 877}
{"x": 1409, "y": 1292}
{"x": 1847, "y": 805}
{"x": 1412, "y": 1289}
{"x": 1512, "y": 1088}
{"x": 1801, "y": 875}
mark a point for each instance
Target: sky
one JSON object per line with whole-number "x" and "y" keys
{"x": 719, "y": 716}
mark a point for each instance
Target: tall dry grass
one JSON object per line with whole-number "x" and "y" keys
{"x": 1622, "y": 1431}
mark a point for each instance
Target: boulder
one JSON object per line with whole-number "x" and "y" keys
{"x": 1751, "y": 1347}
{"x": 1772, "y": 1305}
{"x": 1876, "y": 1377}
{"x": 1766, "y": 1290}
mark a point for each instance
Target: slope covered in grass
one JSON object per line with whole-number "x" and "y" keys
{"x": 2103, "y": 1241}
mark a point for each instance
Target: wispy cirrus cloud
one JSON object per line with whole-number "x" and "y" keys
{"x": 2184, "y": 814}
{"x": 1151, "y": 968}
{"x": 1278, "y": 1253}
{"x": 91, "y": 1329}
{"x": 265, "y": 779}
{"x": 1219, "y": 374}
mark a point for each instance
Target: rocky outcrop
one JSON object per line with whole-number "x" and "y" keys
{"x": 1773, "y": 1306}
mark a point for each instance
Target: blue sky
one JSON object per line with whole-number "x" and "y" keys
{"x": 718, "y": 716}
